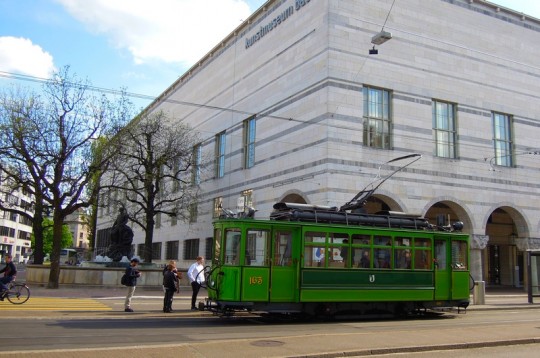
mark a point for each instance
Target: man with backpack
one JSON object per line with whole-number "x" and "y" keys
{"x": 132, "y": 273}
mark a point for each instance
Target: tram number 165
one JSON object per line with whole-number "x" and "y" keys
{"x": 255, "y": 280}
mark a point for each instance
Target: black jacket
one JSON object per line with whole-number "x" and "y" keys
{"x": 169, "y": 280}
{"x": 9, "y": 270}
{"x": 132, "y": 274}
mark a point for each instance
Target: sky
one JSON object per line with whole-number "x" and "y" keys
{"x": 139, "y": 46}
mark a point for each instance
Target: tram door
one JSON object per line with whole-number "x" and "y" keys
{"x": 442, "y": 271}
{"x": 284, "y": 266}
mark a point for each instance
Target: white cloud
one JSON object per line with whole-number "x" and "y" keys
{"x": 173, "y": 31}
{"x": 20, "y": 55}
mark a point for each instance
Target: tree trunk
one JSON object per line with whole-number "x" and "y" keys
{"x": 148, "y": 236}
{"x": 54, "y": 276}
{"x": 37, "y": 228}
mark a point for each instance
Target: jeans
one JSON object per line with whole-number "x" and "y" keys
{"x": 129, "y": 296}
{"x": 195, "y": 286}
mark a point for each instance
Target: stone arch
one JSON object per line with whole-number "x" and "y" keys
{"x": 462, "y": 213}
{"x": 520, "y": 220}
{"x": 383, "y": 201}
{"x": 294, "y": 196}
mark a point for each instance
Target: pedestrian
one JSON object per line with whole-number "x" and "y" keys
{"x": 133, "y": 273}
{"x": 10, "y": 271}
{"x": 170, "y": 284}
{"x": 196, "y": 278}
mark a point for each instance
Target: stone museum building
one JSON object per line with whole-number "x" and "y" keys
{"x": 307, "y": 100}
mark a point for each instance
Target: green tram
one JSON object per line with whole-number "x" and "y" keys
{"x": 320, "y": 260}
{"x": 325, "y": 261}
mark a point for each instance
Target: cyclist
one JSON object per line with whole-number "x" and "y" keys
{"x": 10, "y": 271}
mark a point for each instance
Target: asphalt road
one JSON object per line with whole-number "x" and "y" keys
{"x": 149, "y": 332}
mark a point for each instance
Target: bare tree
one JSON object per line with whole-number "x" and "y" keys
{"x": 48, "y": 139}
{"x": 151, "y": 173}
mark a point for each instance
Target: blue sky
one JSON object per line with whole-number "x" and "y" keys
{"x": 138, "y": 45}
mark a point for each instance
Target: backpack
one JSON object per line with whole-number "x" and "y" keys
{"x": 124, "y": 280}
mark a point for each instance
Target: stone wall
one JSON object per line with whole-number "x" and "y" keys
{"x": 95, "y": 276}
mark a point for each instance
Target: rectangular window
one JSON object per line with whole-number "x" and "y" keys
{"x": 208, "y": 249}
{"x": 191, "y": 249}
{"x": 459, "y": 255}
{"x": 232, "y": 247}
{"x": 193, "y": 212}
{"x": 218, "y": 204}
{"x": 444, "y": 129}
{"x": 257, "y": 242}
{"x": 245, "y": 201}
{"x": 140, "y": 250}
{"x": 377, "y": 118}
{"x": 502, "y": 140}
{"x": 249, "y": 143}
{"x": 196, "y": 173}
{"x": 220, "y": 155}
{"x": 156, "y": 251}
{"x": 171, "y": 251}
{"x": 174, "y": 218}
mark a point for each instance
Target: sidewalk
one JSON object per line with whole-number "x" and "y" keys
{"x": 495, "y": 298}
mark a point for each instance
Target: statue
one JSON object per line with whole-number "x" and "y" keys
{"x": 121, "y": 237}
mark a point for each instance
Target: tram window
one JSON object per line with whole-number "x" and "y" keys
{"x": 459, "y": 255}
{"x": 256, "y": 246}
{"x": 402, "y": 241}
{"x": 422, "y": 254}
{"x": 382, "y": 258}
{"x": 422, "y": 242}
{"x": 232, "y": 247}
{"x": 422, "y": 259}
{"x": 315, "y": 237}
{"x": 314, "y": 256}
{"x": 364, "y": 258}
{"x": 383, "y": 240}
{"x": 360, "y": 239}
{"x": 339, "y": 257}
{"x": 283, "y": 249}
{"x": 403, "y": 259}
{"x": 440, "y": 254}
{"x": 217, "y": 244}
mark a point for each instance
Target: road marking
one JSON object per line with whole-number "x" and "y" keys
{"x": 56, "y": 304}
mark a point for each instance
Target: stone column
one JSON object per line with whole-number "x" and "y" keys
{"x": 478, "y": 243}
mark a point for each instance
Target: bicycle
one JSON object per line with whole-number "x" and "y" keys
{"x": 17, "y": 293}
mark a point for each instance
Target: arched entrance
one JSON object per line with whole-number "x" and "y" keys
{"x": 503, "y": 263}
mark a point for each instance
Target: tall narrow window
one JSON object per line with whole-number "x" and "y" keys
{"x": 193, "y": 212}
{"x": 245, "y": 201}
{"x": 220, "y": 155}
{"x": 444, "y": 129}
{"x": 196, "y": 173}
{"x": 377, "y": 118}
{"x": 502, "y": 140}
{"x": 218, "y": 202}
{"x": 249, "y": 143}
{"x": 191, "y": 249}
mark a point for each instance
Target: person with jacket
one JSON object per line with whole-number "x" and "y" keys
{"x": 133, "y": 273}
{"x": 196, "y": 278}
{"x": 170, "y": 284}
{"x": 10, "y": 271}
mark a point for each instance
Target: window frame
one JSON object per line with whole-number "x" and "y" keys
{"x": 502, "y": 139}
{"x": 220, "y": 155}
{"x": 377, "y": 118}
{"x": 249, "y": 142}
{"x": 444, "y": 123}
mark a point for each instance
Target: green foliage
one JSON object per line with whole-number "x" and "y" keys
{"x": 67, "y": 239}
